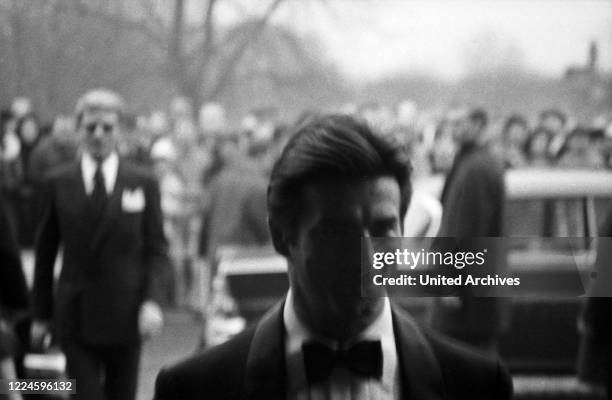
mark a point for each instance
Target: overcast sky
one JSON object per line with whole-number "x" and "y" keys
{"x": 369, "y": 39}
{"x": 372, "y": 38}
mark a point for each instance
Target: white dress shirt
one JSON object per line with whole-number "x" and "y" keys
{"x": 342, "y": 384}
{"x": 110, "y": 165}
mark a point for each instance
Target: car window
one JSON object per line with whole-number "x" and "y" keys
{"x": 533, "y": 222}
{"x": 603, "y": 208}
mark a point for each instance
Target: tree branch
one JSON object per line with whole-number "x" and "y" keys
{"x": 233, "y": 60}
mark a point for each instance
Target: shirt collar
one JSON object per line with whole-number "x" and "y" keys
{"x": 109, "y": 166}
{"x": 297, "y": 333}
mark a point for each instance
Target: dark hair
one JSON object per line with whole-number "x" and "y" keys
{"x": 21, "y": 121}
{"x": 592, "y": 135}
{"x": 553, "y": 112}
{"x": 5, "y": 116}
{"x": 333, "y": 145}
{"x": 540, "y": 131}
{"x": 514, "y": 119}
{"x": 479, "y": 116}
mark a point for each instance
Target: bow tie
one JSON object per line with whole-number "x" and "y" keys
{"x": 363, "y": 358}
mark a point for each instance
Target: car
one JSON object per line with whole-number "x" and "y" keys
{"x": 551, "y": 216}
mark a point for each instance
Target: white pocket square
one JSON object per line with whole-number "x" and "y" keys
{"x": 133, "y": 200}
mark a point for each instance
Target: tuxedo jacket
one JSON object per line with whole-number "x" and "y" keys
{"x": 109, "y": 255}
{"x": 252, "y": 366}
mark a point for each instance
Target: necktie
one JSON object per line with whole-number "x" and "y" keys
{"x": 98, "y": 195}
{"x": 363, "y": 358}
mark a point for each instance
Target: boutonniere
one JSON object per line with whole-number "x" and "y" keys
{"x": 132, "y": 200}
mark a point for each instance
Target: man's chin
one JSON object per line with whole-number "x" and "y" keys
{"x": 354, "y": 316}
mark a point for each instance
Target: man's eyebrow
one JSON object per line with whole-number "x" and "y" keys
{"x": 385, "y": 220}
{"x": 335, "y": 221}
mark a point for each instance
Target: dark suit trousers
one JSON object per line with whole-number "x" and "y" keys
{"x": 103, "y": 372}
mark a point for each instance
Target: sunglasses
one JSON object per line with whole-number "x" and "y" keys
{"x": 106, "y": 127}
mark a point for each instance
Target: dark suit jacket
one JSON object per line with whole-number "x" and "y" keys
{"x": 252, "y": 366}
{"x": 595, "y": 354}
{"x": 13, "y": 289}
{"x": 473, "y": 207}
{"x": 236, "y": 212}
{"x": 109, "y": 259}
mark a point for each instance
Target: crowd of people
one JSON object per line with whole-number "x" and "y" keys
{"x": 213, "y": 176}
{"x": 188, "y": 151}
{"x": 213, "y": 173}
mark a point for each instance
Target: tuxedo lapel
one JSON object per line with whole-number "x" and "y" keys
{"x": 265, "y": 376}
{"x": 421, "y": 377}
{"x": 111, "y": 212}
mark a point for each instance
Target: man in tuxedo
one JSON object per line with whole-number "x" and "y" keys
{"x": 105, "y": 213}
{"x": 335, "y": 184}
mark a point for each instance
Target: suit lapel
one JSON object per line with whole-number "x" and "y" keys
{"x": 265, "y": 376}
{"x": 111, "y": 211}
{"x": 421, "y": 377}
{"x": 80, "y": 200}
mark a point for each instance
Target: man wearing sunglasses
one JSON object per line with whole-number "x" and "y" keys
{"x": 106, "y": 215}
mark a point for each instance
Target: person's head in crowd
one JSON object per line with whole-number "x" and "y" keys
{"x": 28, "y": 130}
{"x": 515, "y": 131}
{"x": 230, "y": 146}
{"x": 185, "y": 134}
{"x": 181, "y": 109}
{"x": 443, "y": 147}
{"x": 21, "y": 106}
{"x": 157, "y": 124}
{"x": 554, "y": 120}
{"x": 538, "y": 145}
{"x": 163, "y": 156}
{"x": 472, "y": 128}
{"x": 63, "y": 130}
{"x": 378, "y": 115}
{"x": 10, "y": 146}
{"x": 514, "y": 137}
{"x": 261, "y": 153}
{"x": 7, "y": 122}
{"x": 453, "y": 120}
{"x": 131, "y": 138}
{"x": 581, "y": 148}
{"x": 212, "y": 118}
{"x": 335, "y": 183}
{"x": 99, "y": 117}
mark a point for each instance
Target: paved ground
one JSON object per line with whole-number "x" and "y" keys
{"x": 179, "y": 339}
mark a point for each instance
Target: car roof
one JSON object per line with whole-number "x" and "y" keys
{"x": 540, "y": 183}
{"x": 529, "y": 183}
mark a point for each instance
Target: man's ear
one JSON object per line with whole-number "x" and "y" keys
{"x": 279, "y": 238}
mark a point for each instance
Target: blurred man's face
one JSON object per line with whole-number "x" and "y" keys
{"x": 100, "y": 131}
{"x": 325, "y": 253}
{"x": 553, "y": 123}
{"x": 63, "y": 130}
{"x": 466, "y": 131}
{"x": 29, "y": 131}
{"x": 517, "y": 134}
{"x": 539, "y": 146}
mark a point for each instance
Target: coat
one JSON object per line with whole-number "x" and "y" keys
{"x": 110, "y": 261}
{"x": 252, "y": 366}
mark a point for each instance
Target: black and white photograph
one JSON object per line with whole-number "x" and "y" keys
{"x": 306, "y": 199}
